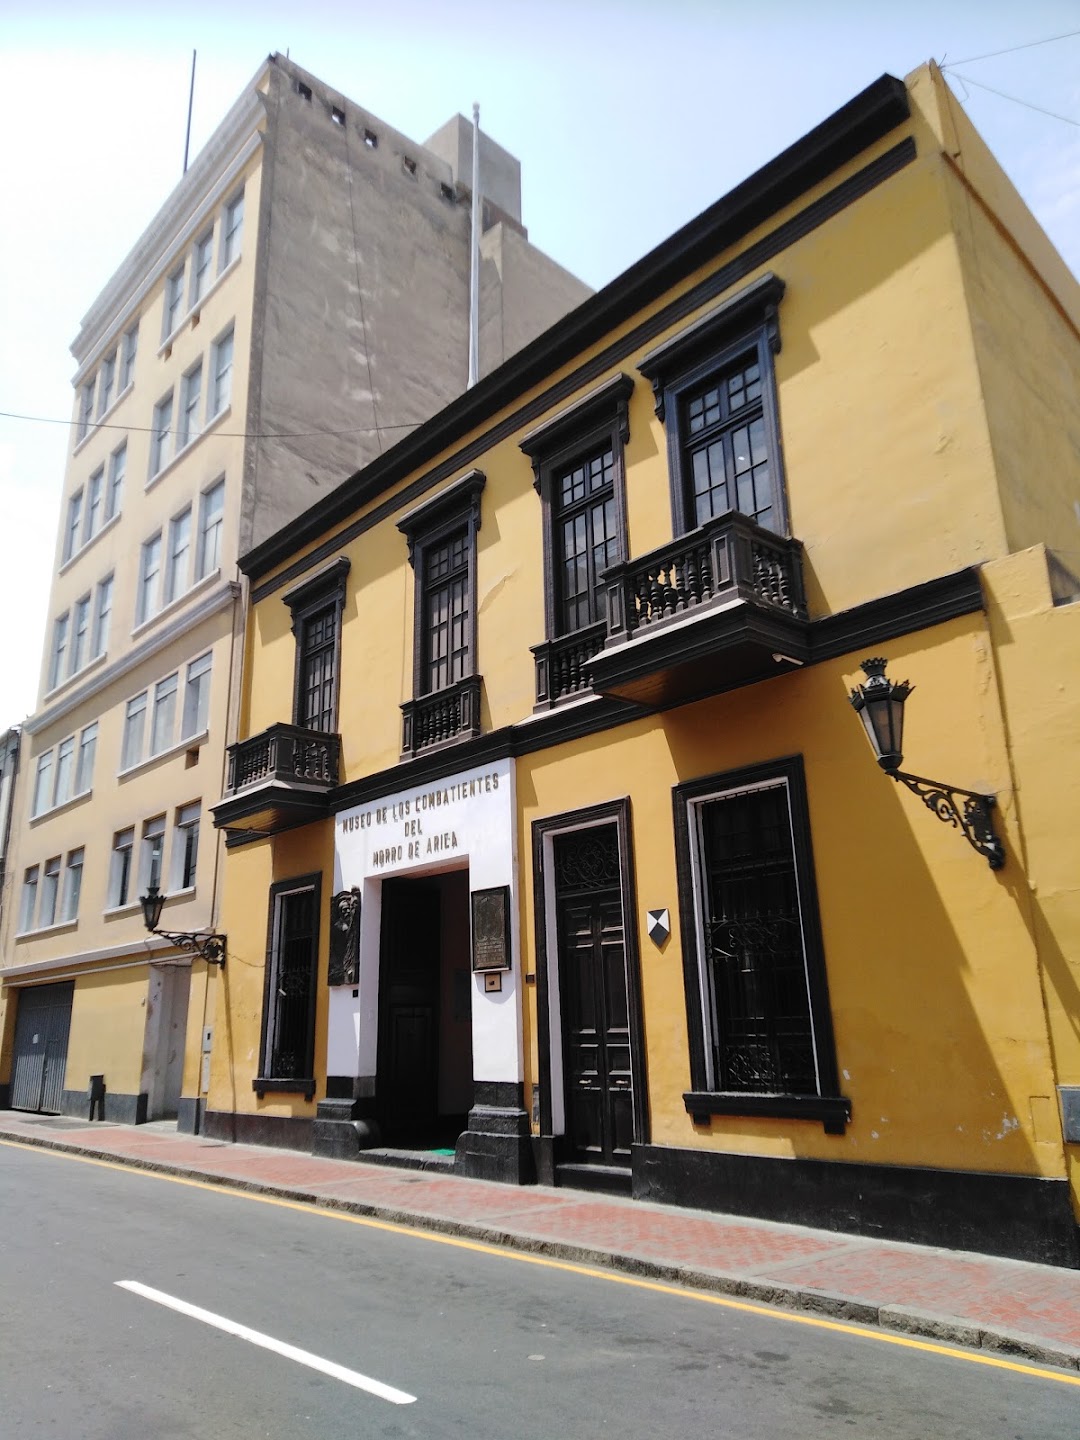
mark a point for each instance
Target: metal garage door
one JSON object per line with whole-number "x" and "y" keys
{"x": 41, "y": 1040}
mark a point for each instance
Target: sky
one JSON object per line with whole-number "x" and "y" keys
{"x": 629, "y": 117}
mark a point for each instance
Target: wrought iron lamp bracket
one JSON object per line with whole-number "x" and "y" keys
{"x": 966, "y": 810}
{"x": 207, "y": 946}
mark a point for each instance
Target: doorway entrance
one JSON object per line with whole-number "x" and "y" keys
{"x": 594, "y": 991}
{"x": 424, "y": 1083}
{"x": 41, "y": 1041}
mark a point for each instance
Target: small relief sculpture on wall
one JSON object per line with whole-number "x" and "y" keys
{"x": 344, "y": 966}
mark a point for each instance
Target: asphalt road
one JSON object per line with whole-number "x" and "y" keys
{"x": 471, "y": 1343}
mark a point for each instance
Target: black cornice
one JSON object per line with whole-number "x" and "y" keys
{"x": 872, "y": 114}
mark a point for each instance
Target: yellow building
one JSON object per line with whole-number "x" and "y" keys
{"x": 309, "y": 256}
{"x": 553, "y": 841}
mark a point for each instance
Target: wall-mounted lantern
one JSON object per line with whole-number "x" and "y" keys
{"x": 879, "y": 703}
{"x": 206, "y": 945}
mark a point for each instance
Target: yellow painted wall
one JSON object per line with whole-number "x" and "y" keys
{"x": 108, "y": 1023}
{"x": 940, "y": 1030}
{"x": 1037, "y": 651}
{"x": 252, "y": 869}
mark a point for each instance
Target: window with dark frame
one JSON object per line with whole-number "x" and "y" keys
{"x": 760, "y": 1025}
{"x": 577, "y": 459}
{"x": 288, "y": 1039}
{"x": 441, "y": 536}
{"x": 317, "y": 607}
{"x": 715, "y": 391}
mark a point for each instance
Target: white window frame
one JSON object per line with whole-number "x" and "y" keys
{"x": 121, "y": 868}
{"x": 129, "y": 348}
{"x": 163, "y": 719}
{"x": 95, "y": 501}
{"x": 178, "y": 560}
{"x": 28, "y": 899}
{"x": 161, "y": 434}
{"x": 99, "y": 635}
{"x": 74, "y": 524}
{"x": 148, "y": 596}
{"x": 86, "y": 408}
{"x": 219, "y": 397}
{"x": 173, "y": 302}
{"x": 117, "y": 472}
{"x": 80, "y": 633}
{"x": 41, "y": 797}
{"x": 211, "y": 527}
{"x": 73, "y": 873}
{"x": 185, "y": 841}
{"x": 58, "y": 652}
{"x": 84, "y": 760}
{"x": 202, "y": 260}
{"x": 50, "y": 892}
{"x": 195, "y": 716}
{"x": 232, "y": 232}
{"x": 187, "y": 414}
{"x": 106, "y": 382}
{"x": 152, "y": 854}
{"x": 133, "y": 737}
{"x": 64, "y": 779}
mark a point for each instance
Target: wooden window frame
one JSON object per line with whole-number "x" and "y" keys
{"x": 304, "y": 1084}
{"x": 323, "y": 591}
{"x": 427, "y": 526}
{"x": 747, "y": 322}
{"x": 828, "y": 1106}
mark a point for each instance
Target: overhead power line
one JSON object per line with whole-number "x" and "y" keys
{"x": 967, "y": 80}
{"x": 1012, "y": 49}
{"x": 229, "y": 434}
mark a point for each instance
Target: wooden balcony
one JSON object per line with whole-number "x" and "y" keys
{"x": 278, "y": 779}
{"x": 441, "y": 718}
{"x": 718, "y": 608}
{"x": 562, "y": 665}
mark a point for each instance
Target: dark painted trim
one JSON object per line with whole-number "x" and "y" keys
{"x": 946, "y": 597}
{"x": 618, "y": 813}
{"x": 722, "y": 226}
{"x": 500, "y": 1094}
{"x": 833, "y": 1111}
{"x": 496, "y": 1144}
{"x": 189, "y": 1115}
{"x": 118, "y": 1108}
{"x": 287, "y": 1132}
{"x": 5, "y": 1096}
{"x": 263, "y": 1081}
{"x": 1069, "y": 1096}
{"x": 834, "y": 1116}
{"x": 1020, "y": 1216}
{"x": 265, "y": 1085}
{"x": 324, "y": 591}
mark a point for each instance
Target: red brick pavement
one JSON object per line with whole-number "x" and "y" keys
{"x": 1035, "y": 1308}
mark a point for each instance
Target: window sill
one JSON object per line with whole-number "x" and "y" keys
{"x": 116, "y": 912}
{"x": 263, "y": 1085}
{"x": 170, "y": 465}
{"x": 834, "y": 1111}
{"x": 59, "y": 809}
{"x": 101, "y": 419}
{"x": 76, "y": 675}
{"x": 203, "y": 583}
{"x": 60, "y": 928}
{"x": 190, "y": 742}
{"x": 112, "y": 521}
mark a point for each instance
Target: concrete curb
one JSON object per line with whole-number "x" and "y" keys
{"x": 845, "y": 1309}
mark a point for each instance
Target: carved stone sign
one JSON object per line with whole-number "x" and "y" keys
{"x": 491, "y": 928}
{"x": 344, "y": 968}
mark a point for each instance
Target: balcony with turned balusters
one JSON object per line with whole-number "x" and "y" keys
{"x": 721, "y": 607}
{"x": 277, "y": 779}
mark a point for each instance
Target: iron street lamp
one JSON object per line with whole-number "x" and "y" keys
{"x": 206, "y": 945}
{"x": 879, "y": 703}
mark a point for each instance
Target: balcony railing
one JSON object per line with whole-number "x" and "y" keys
{"x": 562, "y": 665}
{"x": 728, "y": 558}
{"x": 442, "y": 717}
{"x": 287, "y": 755}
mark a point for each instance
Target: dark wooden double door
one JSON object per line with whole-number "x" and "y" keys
{"x": 594, "y": 997}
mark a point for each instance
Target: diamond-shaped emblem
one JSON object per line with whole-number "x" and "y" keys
{"x": 659, "y": 925}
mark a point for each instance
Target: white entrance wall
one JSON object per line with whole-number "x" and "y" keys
{"x": 465, "y": 819}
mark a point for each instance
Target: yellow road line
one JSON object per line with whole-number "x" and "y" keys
{"x": 612, "y": 1277}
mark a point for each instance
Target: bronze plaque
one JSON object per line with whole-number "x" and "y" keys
{"x": 491, "y": 928}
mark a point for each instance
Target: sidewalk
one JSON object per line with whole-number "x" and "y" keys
{"x": 959, "y": 1298}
